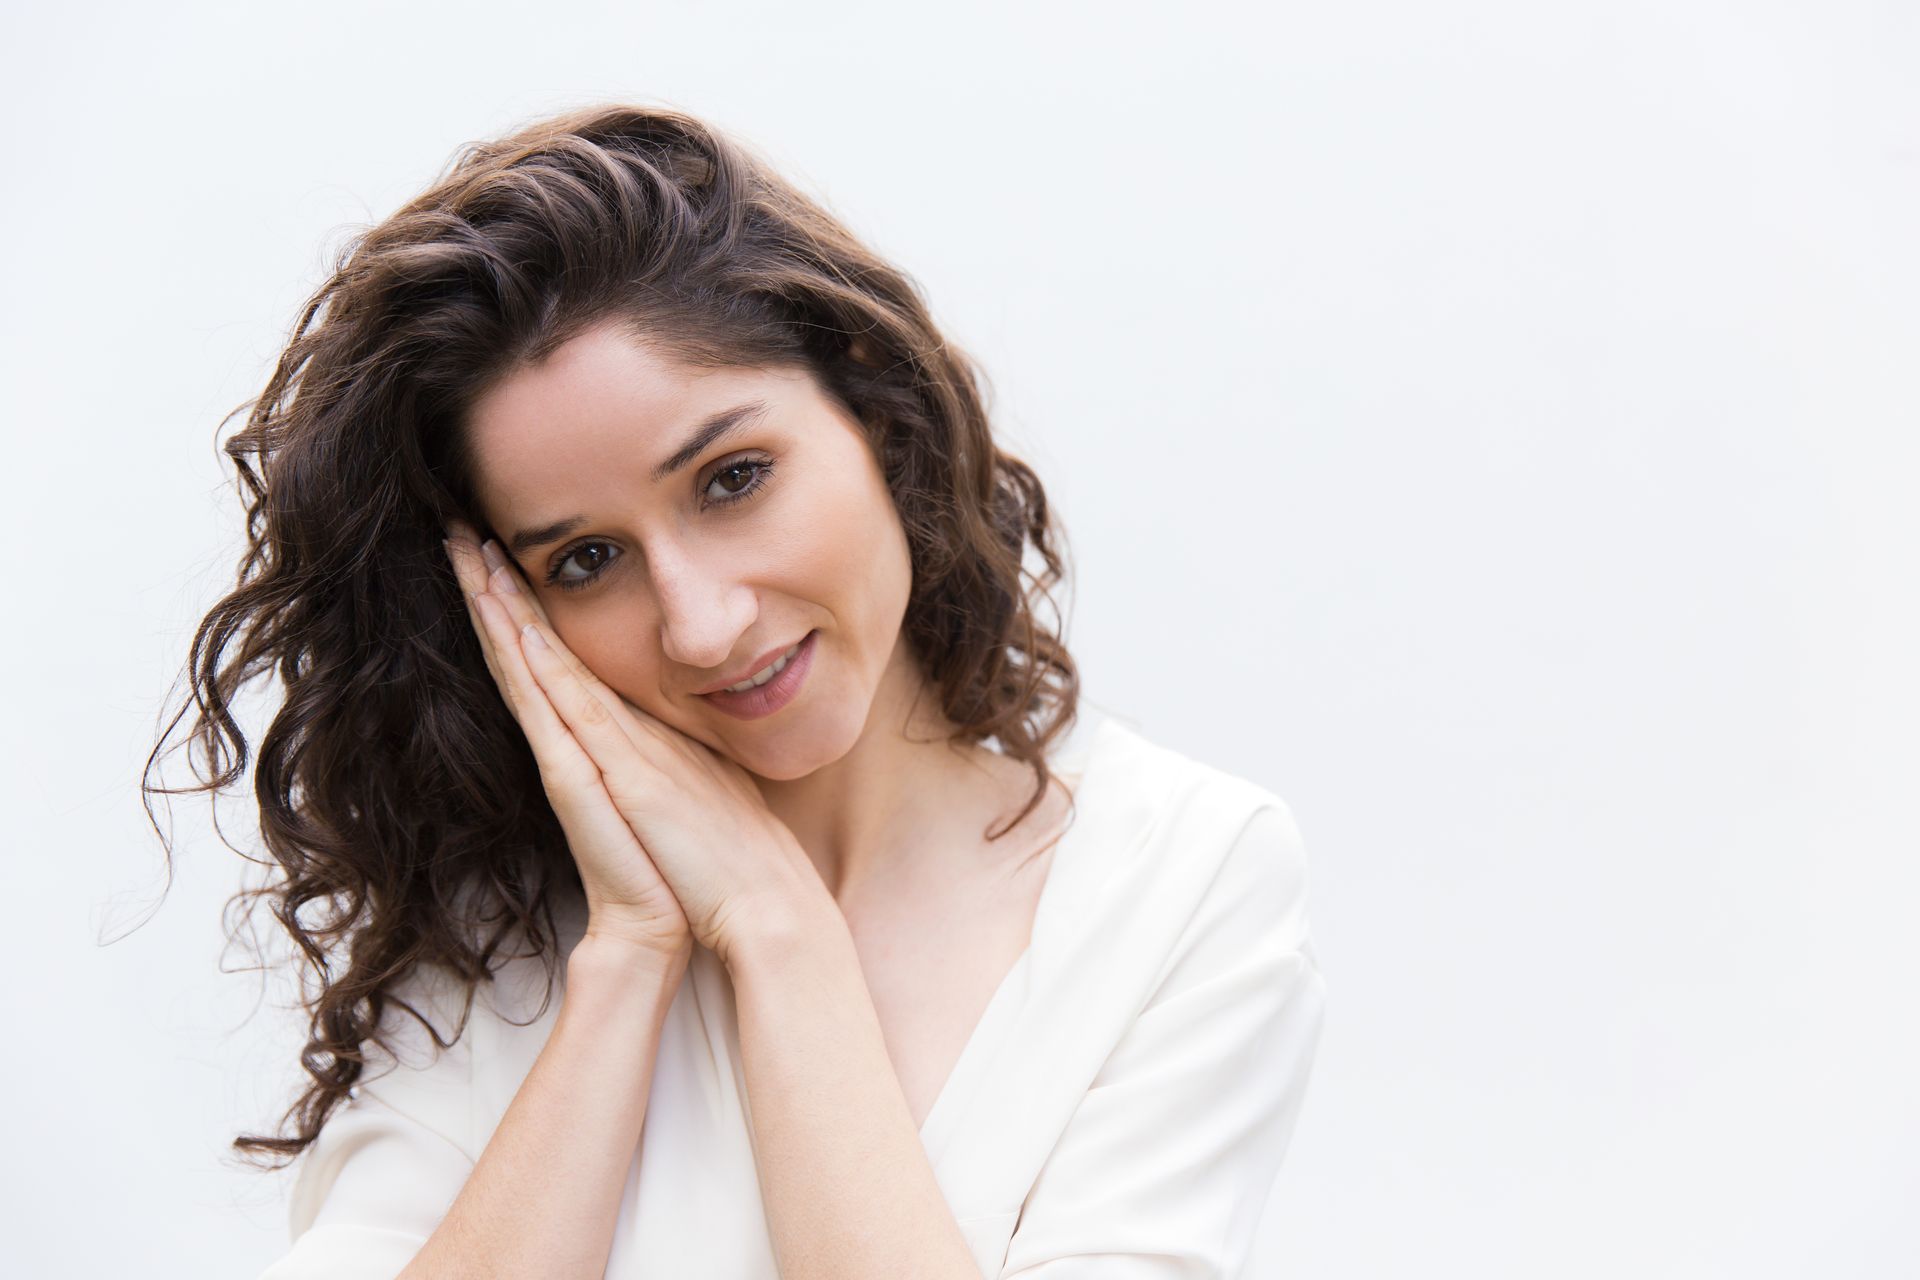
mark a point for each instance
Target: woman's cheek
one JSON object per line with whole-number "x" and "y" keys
{"x": 612, "y": 651}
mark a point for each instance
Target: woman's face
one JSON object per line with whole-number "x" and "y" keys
{"x": 685, "y": 526}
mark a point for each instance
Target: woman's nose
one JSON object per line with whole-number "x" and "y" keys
{"x": 703, "y": 614}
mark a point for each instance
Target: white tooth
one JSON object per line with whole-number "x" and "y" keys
{"x": 767, "y": 673}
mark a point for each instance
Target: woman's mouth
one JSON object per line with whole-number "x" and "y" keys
{"x": 778, "y": 684}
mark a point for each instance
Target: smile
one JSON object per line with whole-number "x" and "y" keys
{"x": 767, "y": 672}
{"x": 770, "y": 688}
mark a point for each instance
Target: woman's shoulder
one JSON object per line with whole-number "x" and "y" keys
{"x": 1180, "y": 834}
{"x": 1178, "y": 797}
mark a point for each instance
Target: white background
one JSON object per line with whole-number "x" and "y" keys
{"x": 1491, "y": 426}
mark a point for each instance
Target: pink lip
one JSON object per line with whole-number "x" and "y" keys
{"x": 775, "y": 693}
{"x": 758, "y": 664}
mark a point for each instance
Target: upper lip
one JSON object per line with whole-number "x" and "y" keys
{"x": 745, "y": 672}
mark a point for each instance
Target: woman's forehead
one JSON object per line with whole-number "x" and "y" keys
{"x": 606, "y": 413}
{"x": 600, "y": 380}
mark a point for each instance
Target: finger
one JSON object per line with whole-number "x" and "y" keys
{"x": 629, "y": 772}
{"x": 486, "y": 651}
{"x": 469, "y": 568}
{"x": 469, "y": 564}
{"x": 505, "y": 581}
{"x": 505, "y": 584}
{"x": 561, "y": 758}
{"x": 496, "y": 559}
{"x": 578, "y": 793}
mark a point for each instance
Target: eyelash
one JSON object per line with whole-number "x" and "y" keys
{"x": 762, "y": 471}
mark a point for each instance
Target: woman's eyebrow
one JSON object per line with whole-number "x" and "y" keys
{"x": 714, "y": 428}
{"x": 717, "y": 427}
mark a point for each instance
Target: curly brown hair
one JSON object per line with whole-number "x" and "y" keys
{"x": 399, "y": 801}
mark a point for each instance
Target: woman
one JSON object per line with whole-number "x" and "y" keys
{"x": 647, "y": 588}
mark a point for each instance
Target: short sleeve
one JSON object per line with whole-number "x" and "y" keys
{"x": 387, "y": 1164}
{"x": 1166, "y": 1164}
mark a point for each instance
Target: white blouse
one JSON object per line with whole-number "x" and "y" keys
{"x": 1120, "y": 1111}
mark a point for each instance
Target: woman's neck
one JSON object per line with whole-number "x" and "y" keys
{"x": 903, "y": 787}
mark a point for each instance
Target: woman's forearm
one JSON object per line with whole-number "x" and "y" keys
{"x": 848, "y": 1190}
{"x": 544, "y": 1195}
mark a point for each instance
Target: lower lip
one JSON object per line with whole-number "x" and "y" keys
{"x": 774, "y": 694}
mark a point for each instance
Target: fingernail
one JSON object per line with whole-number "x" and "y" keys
{"x": 533, "y": 636}
{"x": 501, "y": 580}
{"x": 494, "y": 555}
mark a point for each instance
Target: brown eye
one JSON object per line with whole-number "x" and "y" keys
{"x": 738, "y": 481}
{"x": 591, "y": 557}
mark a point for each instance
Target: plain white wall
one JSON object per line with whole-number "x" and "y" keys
{"x": 1490, "y": 425}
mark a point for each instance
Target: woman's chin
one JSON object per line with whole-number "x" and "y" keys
{"x": 779, "y": 762}
{"x": 791, "y": 752}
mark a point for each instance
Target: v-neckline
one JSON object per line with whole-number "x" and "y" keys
{"x": 981, "y": 1037}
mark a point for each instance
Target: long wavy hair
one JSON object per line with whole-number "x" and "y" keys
{"x": 399, "y": 802}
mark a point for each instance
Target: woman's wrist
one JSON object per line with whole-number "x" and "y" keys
{"x": 611, "y": 960}
{"x": 784, "y": 930}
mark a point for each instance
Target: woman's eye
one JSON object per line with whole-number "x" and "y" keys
{"x": 736, "y": 480}
{"x": 588, "y": 556}
{"x": 582, "y": 563}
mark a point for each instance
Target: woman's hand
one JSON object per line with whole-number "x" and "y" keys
{"x": 696, "y": 818}
{"x": 627, "y": 899}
